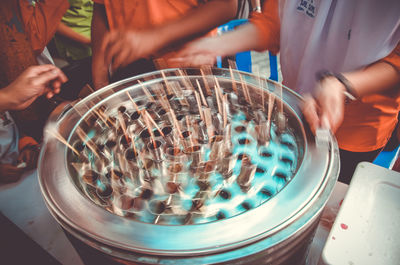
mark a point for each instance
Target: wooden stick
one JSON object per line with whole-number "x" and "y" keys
{"x": 208, "y": 90}
{"x": 146, "y": 91}
{"x": 154, "y": 123}
{"x": 218, "y": 95}
{"x": 207, "y": 116}
{"x": 271, "y": 100}
{"x": 176, "y": 122}
{"x": 262, "y": 95}
{"x": 234, "y": 86}
{"x": 149, "y": 128}
{"x": 103, "y": 118}
{"x": 281, "y": 117}
{"x": 225, "y": 109}
{"x": 133, "y": 102}
{"x": 169, "y": 91}
{"x": 203, "y": 99}
{"x": 90, "y": 88}
{"x": 281, "y": 96}
{"x": 245, "y": 90}
{"x": 87, "y": 122}
{"x": 188, "y": 125}
{"x": 171, "y": 111}
{"x": 218, "y": 100}
{"x": 59, "y": 137}
{"x": 232, "y": 64}
{"x": 185, "y": 79}
{"x": 88, "y": 142}
{"x": 97, "y": 114}
{"x": 260, "y": 84}
{"x": 199, "y": 105}
{"x": 123, "y": 125}
{"x": 163, "y": 102}
{"x": 178, "y": 92}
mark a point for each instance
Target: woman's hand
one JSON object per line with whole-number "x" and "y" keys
{"x": 10, "y": 173}
{"x": 29, "y": 155}
{"x": 121, "y": 48}
{"x": 32, "y": 83}
{"x": 326, "y": 108}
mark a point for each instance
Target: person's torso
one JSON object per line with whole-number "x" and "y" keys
{"x": 139, "y": 14}
{"x": 342, "y": 36}
{"x": 338, "y": 36}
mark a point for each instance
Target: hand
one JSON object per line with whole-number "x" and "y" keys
{"x": 326, "y": 109}
{"x": 10, "y": 173}
{"x": 123, "y": 47}
{"x": 203, "y": 51}
{"x": 32, "y": 83}
{"x": 29, "y": 155}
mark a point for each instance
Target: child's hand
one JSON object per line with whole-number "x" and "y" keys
{"x": 29, "y": 155}
{"x": 10, "y": 173}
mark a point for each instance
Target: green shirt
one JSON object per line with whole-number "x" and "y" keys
{"x": 79, "y": 18}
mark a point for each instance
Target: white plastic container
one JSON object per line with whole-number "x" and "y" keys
{"x": 367, "y": 228}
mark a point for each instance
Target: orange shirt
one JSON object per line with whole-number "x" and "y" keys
{"x": 369, "y": 122}
{"x": 268, "y": 26}
{"x": 140, "y": 14}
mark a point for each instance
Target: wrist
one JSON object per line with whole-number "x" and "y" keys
{"x": 346, "y": 85}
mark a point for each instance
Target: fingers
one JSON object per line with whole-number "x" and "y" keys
{"x": 50, "y": 81}
{"x": 109, "y": 39}
{"x": 310, "y": 111}
{"x": 45, "y": 77}
{"x": 326, "y": 123}
{"x": 121, "y": 59}
{"x": 29, "y": 156}
{"x": 10, "y": 173}
{"x": 332, "y": 117}
{"x": 111, "y": 46}
{"x": 49, "y": 94}
{"x": 38, "y": 69}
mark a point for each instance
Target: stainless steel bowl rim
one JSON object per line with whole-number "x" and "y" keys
{"x": 69, "y": 205}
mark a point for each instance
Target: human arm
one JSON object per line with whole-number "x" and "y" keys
{"x": 326, "y": 108}
{"x": 124, "y": 47}
{"x": 32, "y": 83}
{"x": 98, "y": 30}
{"x": 66, "y": 31}
{"x": 204, "y": 51}
{"x": 262, "y": 33}
{"x": 10, "y": 173}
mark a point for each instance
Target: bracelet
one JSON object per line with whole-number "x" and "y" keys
{"x": 257, "y": 9}
{"x": 350, "y": 93}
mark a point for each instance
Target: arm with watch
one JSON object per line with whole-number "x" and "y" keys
{"x": 326, "y": 107}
